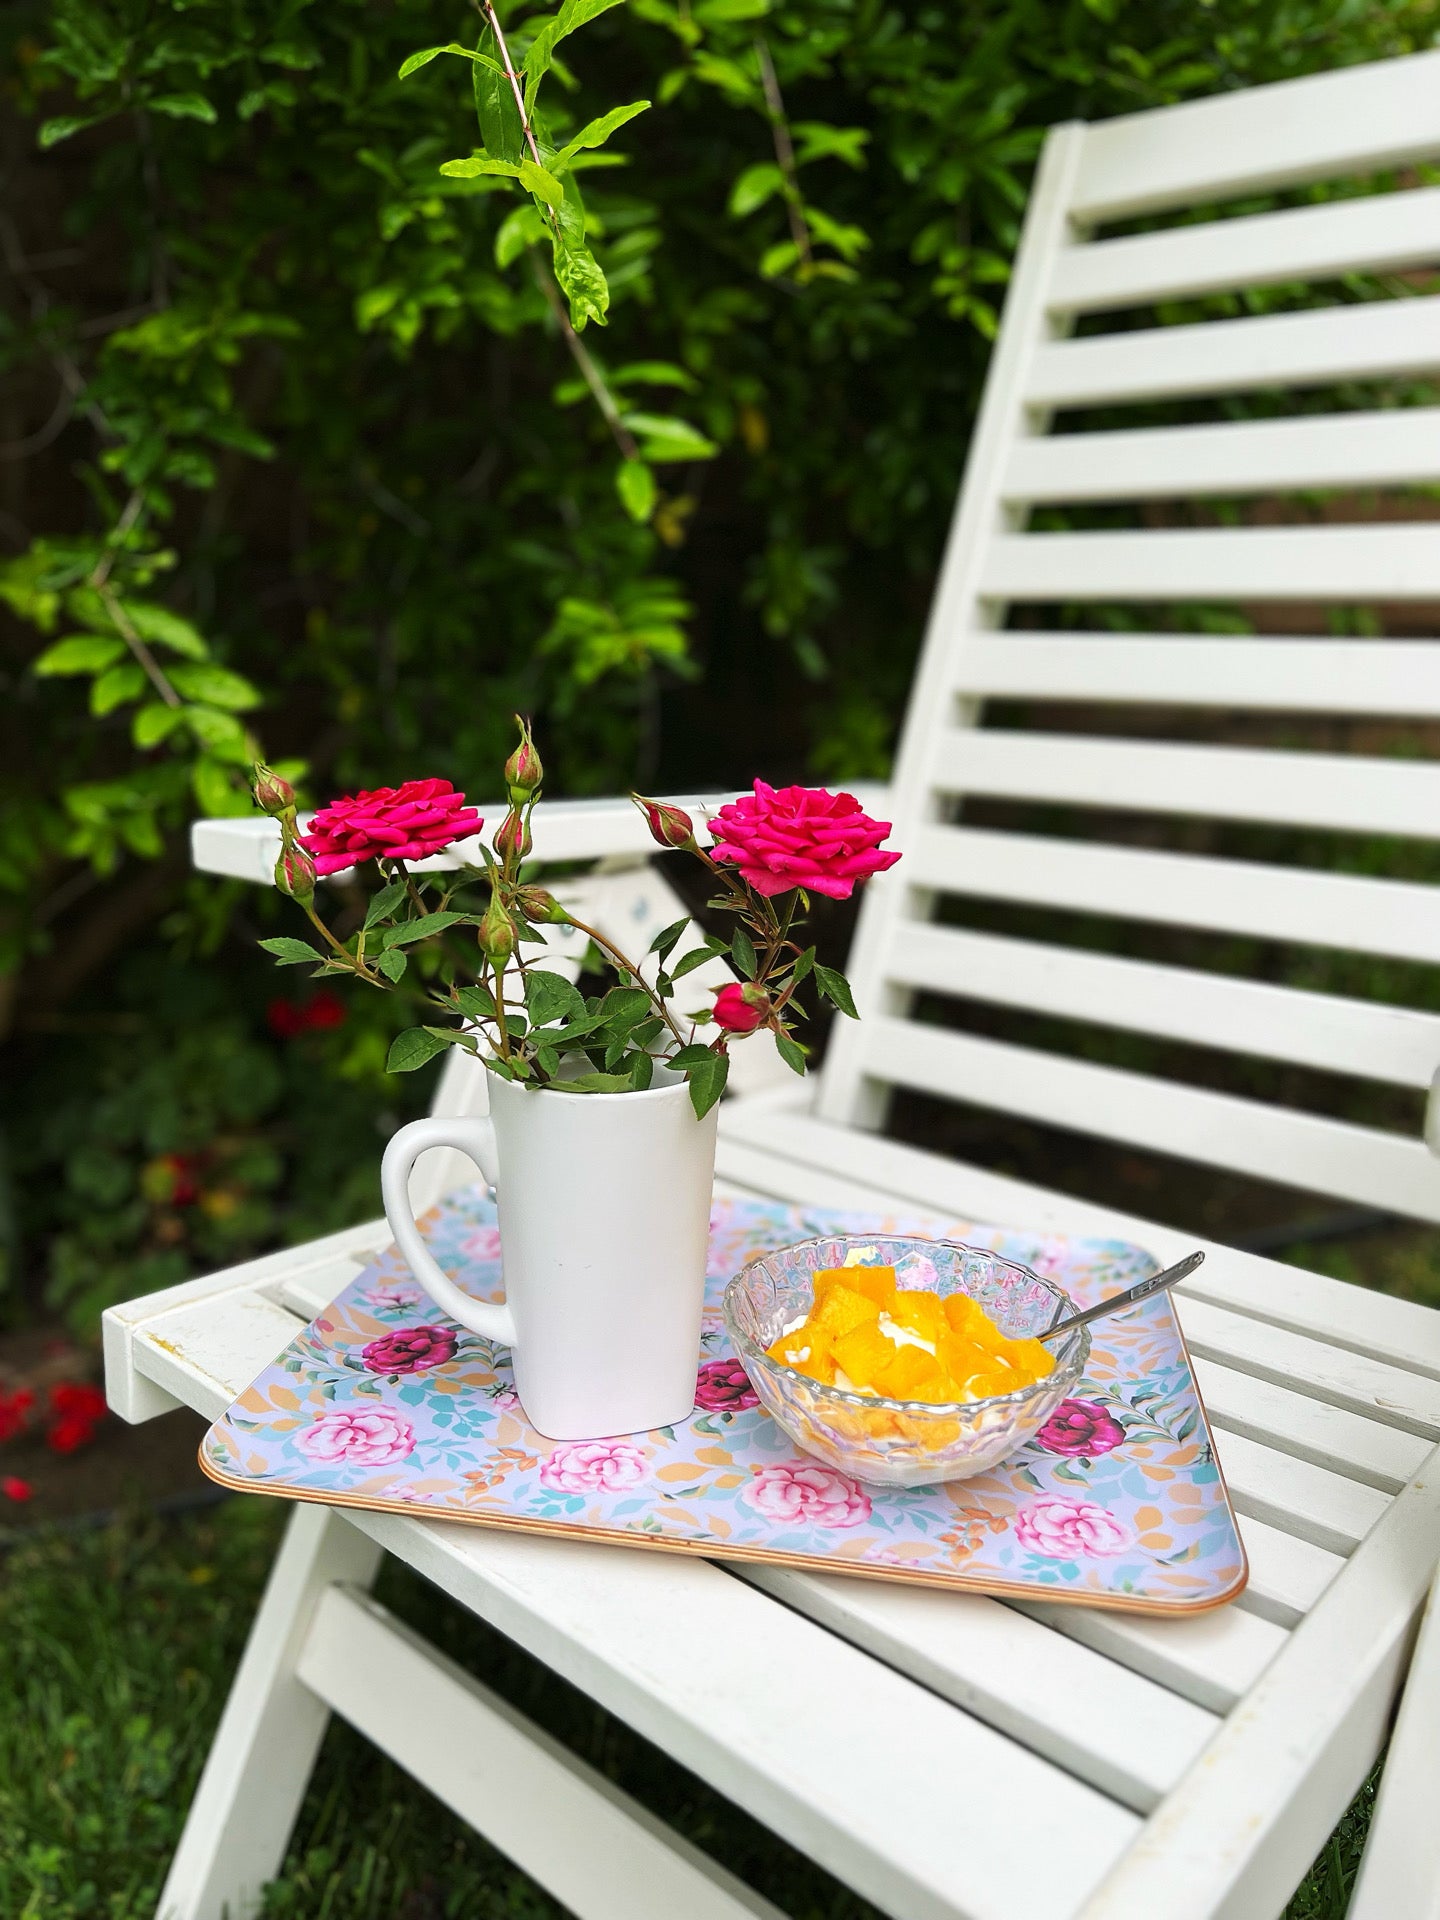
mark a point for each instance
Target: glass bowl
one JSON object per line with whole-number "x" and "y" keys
{"x": 901, "y": 1443}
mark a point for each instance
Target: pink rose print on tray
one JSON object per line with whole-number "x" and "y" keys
{"x": 410, "y": 1350}
{"x": 1064, "y": 1529}
{"x": 805, "y": 1493}
{"x": 357, "y": 1439}
{"x": 723, "y": 1386}
{"x": 594, "y": 1466}
{"x": 1081, "y": 1429}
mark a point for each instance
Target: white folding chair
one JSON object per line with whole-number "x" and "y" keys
{"x": 970, "y": 1757}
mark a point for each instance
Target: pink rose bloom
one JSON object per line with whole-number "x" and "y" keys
{"x": 594, "y": 1466}
{"x": 723, "y": 1386}
{"x": 1064, "y": 1529}
{"x": 410, "y": 1350}
{"x": 1081, "y": 1429}
{"x": 391, "y": 823}
{"x": 805, "y": 1493}
{"x": 800, "y": 837}
{"x": 361, "y": 1439}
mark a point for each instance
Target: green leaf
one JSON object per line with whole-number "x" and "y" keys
{"x": 690, "y": 1056}
{"x": 384, "y": 903}
{"x": 697, "y": 957}
{"x": 291, "y": 953}
{"x": 421, "y": 929}
{"x": 836, "y": 987}
{"x": 520, "y": 228}
{"x": 663, "y": 438}
{"x": 495, "y": 106}
{"x": 216, "y": 686}
{"x": 478, "y": 1003}
{"x": 664, "y": 941}
{"x": 596, "y": 132}
{"x": 79, "y": 653}
{"x": 642, "y": 1072}
{"x": 480, "y": 163}
{"x": 712, "y": 12}
{"x": 635, "y": 484}
{"x": 541, "y": 52}
{"x": 52, "y": 132}
{"x": 584, "y": 286}
{"x": 598, "y": 1083}
{"x": 622, "y": 1007}
{"x": 153, "y": 723}
{"x": 549, "y": 998}
{"x": 707, "y": 1082}
{"x": 746, "y": 958}
{"x": 222, "y": 733}
{"x": 803, "y": 965}
{"x": 393, "y": 964}
{"x": 791, "y": 1052}
{"x": 423, "y": 59}
{"x": 163, "y": 628}
{"x": 184, "y": 106}
{"x": 413, "y": 1048}
{"x": 542, "y": 183}
{"x": 754, "y": 187}
{"x": 115, "y": 687}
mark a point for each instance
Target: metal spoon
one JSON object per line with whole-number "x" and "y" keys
{"x": 1132, "y": 1296}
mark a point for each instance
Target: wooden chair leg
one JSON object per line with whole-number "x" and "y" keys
{"x": 255, "y": 1777}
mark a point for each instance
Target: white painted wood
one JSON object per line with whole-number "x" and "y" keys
{"x": 1122, "y": 1732}
{"x": 1313, "y": 1503}
{"x": 769, "y": 1717}
{"x": 1213, "y": 1659}
{"x": 1396, "y": 918}
{"x": 1399, "y": 1876}
{"x": 1398, "y": 677}
{"x": 1357, "y": 120}
{"x": 1244, "y": 458}
{"x": 1362, "y": 1037}
{"x": 585, "y": 1841}
{"x": 1388, "y": 562}
{"x": 1364, "y": 1451}
{"x": 257, "y": 1769}
{"x": 1242, "y": 1828}
{"x": 1372, "y": 340}
{"x": 1351, "y": 793}
{"x": 1288, "y": 1575}
{"x": 1220, "y": 1129}
{"x": 1376, "y": 233}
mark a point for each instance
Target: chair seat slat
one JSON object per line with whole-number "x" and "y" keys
{"x": 1373, "y": 340}
{"x": 1400, "y": 678}
{"x": 1288, "y": 1420}
{"x": 1386, "y": 562}
{"x": 1287, "y": 1574}
{"x": 1321, "y": 127}
{"x": 1242, "y": 458}
{"x": 1381, "y": 233}
{"x": 1350, "y": 793}
{"x": 1397, "y": 918}
{"x": 1218, "y": 1129}
{"x": 1311, "y": 1502}
{"x": 1360, "y": 1037}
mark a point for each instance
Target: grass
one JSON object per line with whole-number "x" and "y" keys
{"x": 116, "y": 1651}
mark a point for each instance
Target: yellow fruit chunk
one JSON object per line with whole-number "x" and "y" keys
{"x": 910, "y": 1375}
{"x": 875, "y": 1283}
{"x": 862, "y": 1351}
{"x": 921, "y": 1312}
{"x": 1033, "y": 1357}
{"x": 965, "y": 1317}
{"x": 842, "y": 1310}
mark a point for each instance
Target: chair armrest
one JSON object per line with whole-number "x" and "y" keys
{"x": 563, "y": 830}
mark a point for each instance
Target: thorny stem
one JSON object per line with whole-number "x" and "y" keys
{"x": 784, "y": 151}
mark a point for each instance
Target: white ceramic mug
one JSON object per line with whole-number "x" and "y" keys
{"x": 604, "y": 1205}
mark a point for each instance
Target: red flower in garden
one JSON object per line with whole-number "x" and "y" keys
{"x": 14, "y": 1409}
{"x": 287, "y": 1019}
{"x": 800, "y": 837}
{"x": 14, "y": 1488}
{"x": 408, "y": 822}
{"x": 410, "y": 1350}
{"x": 735, "y": 1013}
{"x": 724, "y": 1386}
{"x": 78, "y": 1409}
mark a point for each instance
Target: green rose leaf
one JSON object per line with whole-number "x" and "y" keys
{"x": 393, "y": 964}
{"x": 697, "y": 957}
{"x": 803, "y": 965}
{"x": 836, "y": 987}
{"x": 746, "y": 958}
{"x": 791, "y": 1052}
{"x": 421, "y": 929}
{"x": 707, "y": 1082}
{"x": 550, "y": 998}
{"x": 414, "y": 1047}
{"x": 291, "y": 953}
{"x": 384, "y": 903}
{"x": 664, "y": 941}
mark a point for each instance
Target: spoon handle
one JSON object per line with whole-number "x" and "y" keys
{"x": 1132, "y": 1296}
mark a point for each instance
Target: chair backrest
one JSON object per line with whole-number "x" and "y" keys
{"x": 1298, "y": 853}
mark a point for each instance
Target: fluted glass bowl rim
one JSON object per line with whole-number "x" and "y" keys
{"x": 1075, "y": 1348}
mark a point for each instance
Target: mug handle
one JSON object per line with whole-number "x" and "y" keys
{"x": 492, "y": 1320}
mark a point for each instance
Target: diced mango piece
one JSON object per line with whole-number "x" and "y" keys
{"x": 966, "y": 1317}
{"x": 842, "y": 1310}
{"x": 921, "y": 1312}
{"x": 1033, "y": 1357}
{"x": 862, "y": 1351}
{"x": 910, "y": 1375}
{"x": 875, "y": 1283}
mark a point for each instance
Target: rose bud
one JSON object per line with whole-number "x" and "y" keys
{"x": 523, "y": 771}
{"x": 295, "y": 874}
{"x": 669, "y": 826}
{"x": 272, "y": 794}
{"x": 512, "y": 838}
{"x": 741, "y": 1009}
{"x": 496, "y": 933}
{"x": 540, "y": 907}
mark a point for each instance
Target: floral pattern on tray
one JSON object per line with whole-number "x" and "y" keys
{"x": 383, "y": 1403}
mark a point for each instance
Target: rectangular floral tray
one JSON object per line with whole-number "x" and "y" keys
{"x": 1118, "y": 1502}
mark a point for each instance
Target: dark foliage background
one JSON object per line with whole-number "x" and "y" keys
{"x": 260, "y": 359}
